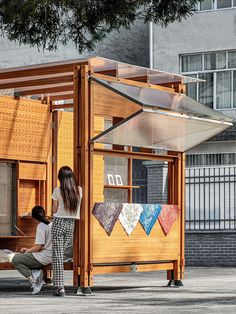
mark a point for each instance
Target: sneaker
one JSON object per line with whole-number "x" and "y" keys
{"x": 37, "y": 282}
{"x": 60, "y": 292}
{"x": 37, "y": 287}
{"x": 37, "y": 275}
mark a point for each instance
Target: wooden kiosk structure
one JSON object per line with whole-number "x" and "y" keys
{"x": 143, "y": 108}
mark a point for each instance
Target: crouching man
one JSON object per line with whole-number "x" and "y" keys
{"x": 30, "y": 261}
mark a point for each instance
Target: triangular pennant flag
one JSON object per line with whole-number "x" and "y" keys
{"x": 168, "y": 215}
{"x": 129, "y": 216}
{"x": 107, "y": 215}
{"x": 149, "y": 216}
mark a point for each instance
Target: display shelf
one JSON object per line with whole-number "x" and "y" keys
{"x": 16, "y": 237}
{"x": 121, "y": 186}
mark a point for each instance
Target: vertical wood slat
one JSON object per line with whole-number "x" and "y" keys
{"x": 84, "y": 175}
{"x": 171, "y": 188}
{"x": 130, "y": 179}
{"x": 49, "y": 171}
{"x": 76, "y": 248}
{"x": 91, "y": 170}
{"x": 176, "y": 194}
{"x": 182, "y": 229}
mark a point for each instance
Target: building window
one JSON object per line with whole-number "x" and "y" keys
{"x": 215, "y": 60}
{"x": 232, "y": 59}
{"x": 223, "y": 84}
{"x": 218, "y": 69}
{"x": 234, "y": 89}
{"x": 205, "y": 93}
{"x": 205, "y": 5}
{"x": 221, "y": 4}
{"x": 192, "y": 63}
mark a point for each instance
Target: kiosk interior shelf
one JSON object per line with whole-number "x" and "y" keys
{"x": 121, "y": 186}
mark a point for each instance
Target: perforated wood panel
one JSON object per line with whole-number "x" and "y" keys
{"x": 65, "y": 150}
{"x": 65, "y": 139}
{"x": 98, "y": 165}
{"x": 25, "y": 126}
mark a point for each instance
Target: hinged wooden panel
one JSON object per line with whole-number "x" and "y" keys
{"x": 109, "y": 104}
{"x": 30, "y": 171}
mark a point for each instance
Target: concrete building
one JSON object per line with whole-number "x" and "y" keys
{"x": 204, "y": 46}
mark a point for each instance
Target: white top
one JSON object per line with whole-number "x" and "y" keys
{"x": 43, "y": 236}
{"x": 61, "y": 211}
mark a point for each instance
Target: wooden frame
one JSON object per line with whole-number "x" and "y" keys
{"x": 53, "y": 80}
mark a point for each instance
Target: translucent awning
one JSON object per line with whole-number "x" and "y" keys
{"x": 154, "y": 98}
{"x": 166, "y": 121}
{"x": 159, "y": 129}
{"x": 129, "y": 71}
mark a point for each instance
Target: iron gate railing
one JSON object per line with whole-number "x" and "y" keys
{"x": 210, "y": 198}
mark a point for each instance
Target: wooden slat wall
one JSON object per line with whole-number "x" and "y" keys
{"x": 119, "y": 247}
{"x": 25, "y": 127}
{"x": 109, "y": 104}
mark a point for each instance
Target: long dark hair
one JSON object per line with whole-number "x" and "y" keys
{"x": 69, "y": 189}
{"x": 38, "y": 213}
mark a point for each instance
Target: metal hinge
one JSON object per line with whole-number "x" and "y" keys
{"x": 52, "y": 125}
{"x": 133, "y": 268}
{"x": 52, "y": 159}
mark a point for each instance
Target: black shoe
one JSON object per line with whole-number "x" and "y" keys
{"x": 60, "y": 292}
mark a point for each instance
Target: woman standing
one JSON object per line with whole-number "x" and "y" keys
{"x": 67, "y": 199}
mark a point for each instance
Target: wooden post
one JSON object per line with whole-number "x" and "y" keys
{"x": 82, "y": 128}
{"x": 130, "y": 178}
{"x": 76, "y": 251}
{"x": 176, "y": 195}
{"x": 182, "y": 204}
{"x": 178, "y": 201}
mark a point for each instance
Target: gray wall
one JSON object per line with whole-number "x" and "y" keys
{"x": 130, "y": 46}
{"x": 204, "y": 31}
{"x": 210, "y": 248}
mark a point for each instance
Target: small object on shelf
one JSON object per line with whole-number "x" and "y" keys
{"x": 110, "y": 179}
{"x": 118, "y": 179}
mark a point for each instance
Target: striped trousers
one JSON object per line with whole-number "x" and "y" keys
{"x": 62, "y": 235}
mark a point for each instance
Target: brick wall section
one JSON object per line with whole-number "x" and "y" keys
{"x": 156, "y": 182}
{"x": 210, "y": 248}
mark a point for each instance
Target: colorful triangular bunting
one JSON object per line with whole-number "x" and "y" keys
{"x": 107, "y": 215}
{"x": 149, "y": 216}
{"x": 129, "y": 216}
{"x": 168, "y": 215}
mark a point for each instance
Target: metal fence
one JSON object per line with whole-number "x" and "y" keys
{"x": 210, "y": 198}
